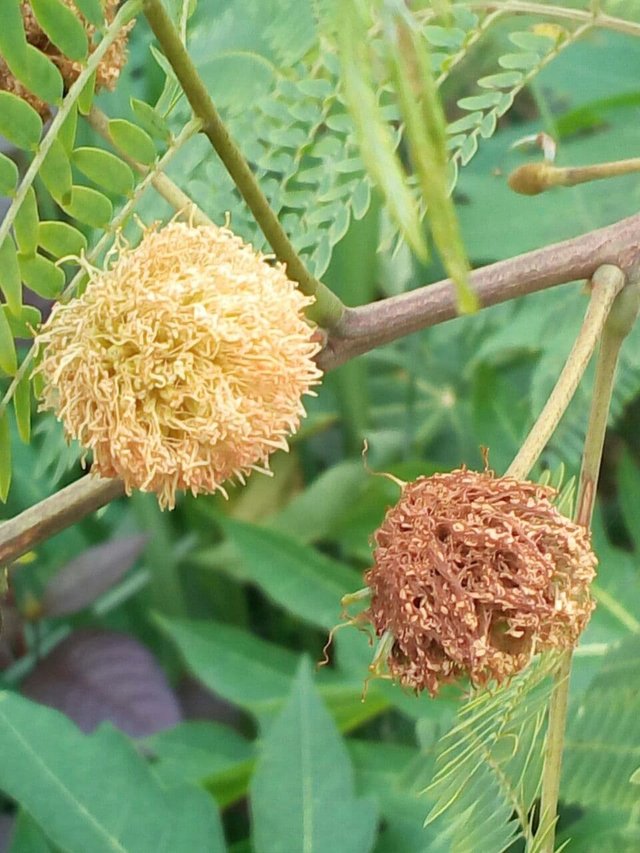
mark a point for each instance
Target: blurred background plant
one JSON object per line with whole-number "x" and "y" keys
{"x": 182, "y": 643}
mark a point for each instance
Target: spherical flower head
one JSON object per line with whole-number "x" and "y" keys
{"x": 108, "y": 69}
{"x": 474, "y": 574}
{"x": 183, "y": 364}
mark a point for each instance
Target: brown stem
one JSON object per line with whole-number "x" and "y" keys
{"x": 368, "y": 326}
{"x": 361, "y": 330}
{"x": 53, "y": 514}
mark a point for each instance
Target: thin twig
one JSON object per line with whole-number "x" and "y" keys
{"x": 366, "y": 327}
{"x": 618, "y": 325}
{"x": 522, "y": 7}
{"x": 369, "y": 326}
{"x": 50, "y": 516}
{"x": 328, "y": 308}
{"x": 607, "y": 282}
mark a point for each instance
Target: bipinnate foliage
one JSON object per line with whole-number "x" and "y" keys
{"x": 317, "y": 94}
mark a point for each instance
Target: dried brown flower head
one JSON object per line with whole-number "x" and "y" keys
{"x": 474, "y": 574}
{"x": 108, "y": 69}
{"x": 182, "y": 365}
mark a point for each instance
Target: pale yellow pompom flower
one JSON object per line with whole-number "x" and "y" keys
{"x": 183, "y": 364}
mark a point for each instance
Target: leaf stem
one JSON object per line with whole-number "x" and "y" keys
{"x": 327, "y": 309}
{"x": 619, "y": 323}
{"x": 607, "y": 282}
{"x": 125, "y": 15}
{"x": 152, "y": 175}
{"x": 367, "y": 327}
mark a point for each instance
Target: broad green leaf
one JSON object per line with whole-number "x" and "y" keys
{"x": 92, "y": 10}
{"x": 10, "y": 278}
{"x": 22, "y": 407}
{"x": 96, "y": 792}
{"x": 8, "y": 358}
{"x": 257, "y": 675}
{"x": 132, "y": 141}
{"x": 85, "y": 100}
{"x": 41, "y": 275}
{"x": 67, "y": 133}
{"x": 427, "y": 139}
{"x": 26, "y": 224}
{"x": 55, "y": 171}
{"x": 23, "y": 324}
{"x": 532, "y": 41}
{"x": 62, "y": 27}
{"x": 150, "y": 120}
{"x": 19, "y": 122}
{"x": 8, "y": 175}
{"x": 41, "y": 76}
{"x": 13, "y": 42}
{"x": 198, "y": 752}
{"x": 302, "y": 792}
{"x": 297, "y": 577}
{"x": 61, "y": 239}
{"x": 240, "y": 667}
{"x": 629, "y": 496}
{"x": 374, "y": 135}
{"x": 89, "y": 206}
{"x": 5, "y": 453}
{"x": 27, "y": 836}
{"x": 104, "y": 169}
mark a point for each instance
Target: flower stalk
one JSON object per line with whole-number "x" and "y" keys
{"x": 606, "y": 283}
{"x": 328, "y": 308}
{"x": 618, "y": 325}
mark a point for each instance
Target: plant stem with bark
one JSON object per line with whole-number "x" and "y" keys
{"x": 618, "y": 325}
{"x": 328, "y": 308}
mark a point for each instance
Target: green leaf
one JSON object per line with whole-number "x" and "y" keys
{"x": 23, "y": 324}
{"x": 5, "y": 453}
{"x": 132, "y": 141}
{"x": 13, "y": 42}
{"x": 427, "y": 137}
{"x": 532, "y": 41}
{"x": 27, "y": 837}
{"x": 41, "y": 275}
{"x": 104, "y": 169}
{"x": 92, "y": 10}
{"x": 8, "y": 358}
{"x": 198, "y": 752}
{"x": 55, "y": 172}
{"x": 150, "y": 120}
{"x": 19, "y": 122}
{"x": 8, "y": 175}
{"x": 85, "y": 99}
{"x": 374, "y": 135}
{"x": 302, "y": 792}
{"x": 62, "y": 27}
{"x": 41, "y": 76}
{"x": 89, "y": 206}
{"x": 26, "y": 224}
{"x": 61, "y": 239}
{"x": 22, "y": 407}
{"x": 240, "y": 667}
{"x": 67, "y": 133}
{"x": 10, "y": 278}
{"x": 96, "y": 792}
{"x": 298, "y": 578}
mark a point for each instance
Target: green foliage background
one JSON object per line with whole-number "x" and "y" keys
{"x": 241, "y": 595}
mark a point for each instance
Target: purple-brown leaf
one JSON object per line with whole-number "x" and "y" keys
{"x": 96, "y": 676}
{"x": 90, "y": 575}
